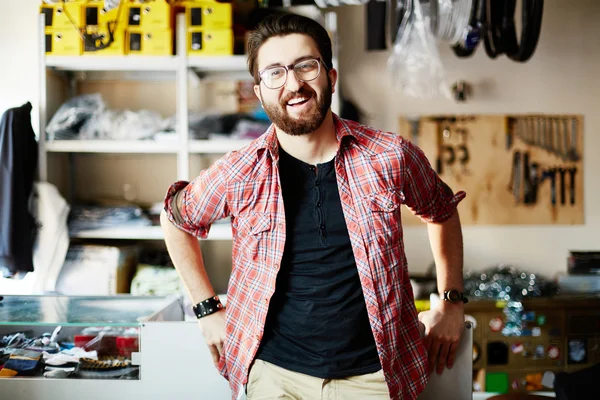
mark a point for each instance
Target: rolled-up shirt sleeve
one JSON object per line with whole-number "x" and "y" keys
{"x": 426, "y": 195}
{"x": 194, "y": 206}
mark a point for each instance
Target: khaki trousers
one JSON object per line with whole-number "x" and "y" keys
{"x": 267, "y": 381}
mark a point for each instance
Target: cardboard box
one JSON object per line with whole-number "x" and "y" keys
{"x": 97, "y": 270}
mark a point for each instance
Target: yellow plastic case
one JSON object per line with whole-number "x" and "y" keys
{"x": 208, "y": 15}
{"x": 116, "y": 48}
{"x": 210, "y": 42}
{"x": 57, "y": 15}
{"x": 150, "y": 14}
{"x": 158, "y": 42}
{"x": 94, "y": 14}
{"x": 97, "y": 21}
{"x": 63, "y": 42}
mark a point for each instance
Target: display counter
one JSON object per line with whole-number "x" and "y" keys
{"x": 125, "y": 346}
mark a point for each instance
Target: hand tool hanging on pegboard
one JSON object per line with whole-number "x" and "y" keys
{"x": 550, "y": 174}
{"x": 572, "y": 172}
{"x": 514, "y": 186}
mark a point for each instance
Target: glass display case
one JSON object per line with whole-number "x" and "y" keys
{"x": 55, "y": 346}
{"x": 77, "y": 336}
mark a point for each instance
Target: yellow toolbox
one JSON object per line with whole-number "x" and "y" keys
{"x": 150, "y": 14}
{"x": 99, "y": 22}
{"x": 210, "y": 42}
{"x": 63, "y": 15}
{"x": 149, "y": 42}
{"x": 98, "y": 42}
{"x": 63, "y": 42}
{"x": 95, "y": 15}
{"x": 208, "y": 15}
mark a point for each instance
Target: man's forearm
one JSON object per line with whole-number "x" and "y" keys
{"x": 447, "y": 248}
{"x": 185, "y": 253}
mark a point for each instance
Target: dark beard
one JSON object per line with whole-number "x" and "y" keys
{"x": 309, "y": 121}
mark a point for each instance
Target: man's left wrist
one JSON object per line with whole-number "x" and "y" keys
{"x": 453, "y": 296}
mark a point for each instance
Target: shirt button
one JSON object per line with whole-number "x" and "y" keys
{"x": 280, "y": 226}
{"x": 319, "y": 204}
{"x": 317, "y": 183}
{"x": 390, "y": 205}
{"x": 322, "y": 227}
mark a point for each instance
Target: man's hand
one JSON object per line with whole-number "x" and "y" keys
{"x": 213, "y": 329}
{"x": 444, "y": 326}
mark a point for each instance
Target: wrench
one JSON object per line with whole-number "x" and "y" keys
{"x": 565, "y": 141}
{"x": 527, "y": 184}
{"x": 562, "y": 171}
{"x": 548, "y": 137}
{"x": 556, "y": 142}
{"x": 572, "y": 172}
{"x": 551, "y": 174}
{"x": 572, "y": 152}
{"x": 534, "y": 178}
{"x": 541, "y": 127}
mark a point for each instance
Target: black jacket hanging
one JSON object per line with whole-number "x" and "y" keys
{"x": 18, "y": 165}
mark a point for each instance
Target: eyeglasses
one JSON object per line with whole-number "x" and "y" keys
{"x": 306, "y": 70}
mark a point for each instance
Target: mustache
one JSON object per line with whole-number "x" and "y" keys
{"x": 303, "y": 92}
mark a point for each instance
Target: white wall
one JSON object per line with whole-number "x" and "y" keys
{"x": 561, "y": 77}
{"x": 19, "y": 54}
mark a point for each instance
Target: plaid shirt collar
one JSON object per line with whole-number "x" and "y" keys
{"x": 268, "y": 141}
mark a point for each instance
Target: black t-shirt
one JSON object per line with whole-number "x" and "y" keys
{"x": 317, "y": 323}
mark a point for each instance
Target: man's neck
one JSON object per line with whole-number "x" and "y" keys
{"x": 314, "y": 148}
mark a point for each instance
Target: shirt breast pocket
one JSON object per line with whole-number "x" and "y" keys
{"x": 384, "y": 207}
{"x": 252, "y": 235}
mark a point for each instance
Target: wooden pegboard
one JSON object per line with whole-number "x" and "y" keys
{"x": 486, "y": 176}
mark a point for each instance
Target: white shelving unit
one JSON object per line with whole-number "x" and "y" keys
{"x": 218, "y": 231}
{"x": 143, "y": 67}
{"x": 216, "y": 146}
{"x": 146, "y": 67}
{"x": 111, "y": 146}
{"x": 114, "y": 63}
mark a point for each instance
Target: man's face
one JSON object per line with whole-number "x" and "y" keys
{"x": 296, "y": 108}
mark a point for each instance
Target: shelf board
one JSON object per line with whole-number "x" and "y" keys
{"x": 111, "y": 146}
{"x": 218, "y": 231}
{"x": 216, "y": 146}
{"x": 218, "y": 63}
{"x": 112, "y": 63}
{"x": 136, "y": 232}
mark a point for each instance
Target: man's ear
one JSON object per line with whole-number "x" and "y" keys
{"x": 257, "y": 92}
{"x": 333, "y": 76}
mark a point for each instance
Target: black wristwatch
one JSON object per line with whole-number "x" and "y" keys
{"x": 207, "y": 307}
{"x": 454, "y": 296}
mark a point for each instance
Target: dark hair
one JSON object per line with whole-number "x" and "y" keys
{"x": 282, "y": 24}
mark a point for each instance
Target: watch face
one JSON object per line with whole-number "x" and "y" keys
{"x": 454, "y": 296}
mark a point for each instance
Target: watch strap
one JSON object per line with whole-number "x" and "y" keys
{"x": 207, "y": 307}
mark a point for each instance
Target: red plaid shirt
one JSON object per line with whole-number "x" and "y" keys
{"x": 377, "y": 172}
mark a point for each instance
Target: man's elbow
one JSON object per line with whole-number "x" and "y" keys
{"x": 164, "y": 219}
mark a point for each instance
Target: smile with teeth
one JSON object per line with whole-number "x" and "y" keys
{"x": 297, "y": 101}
